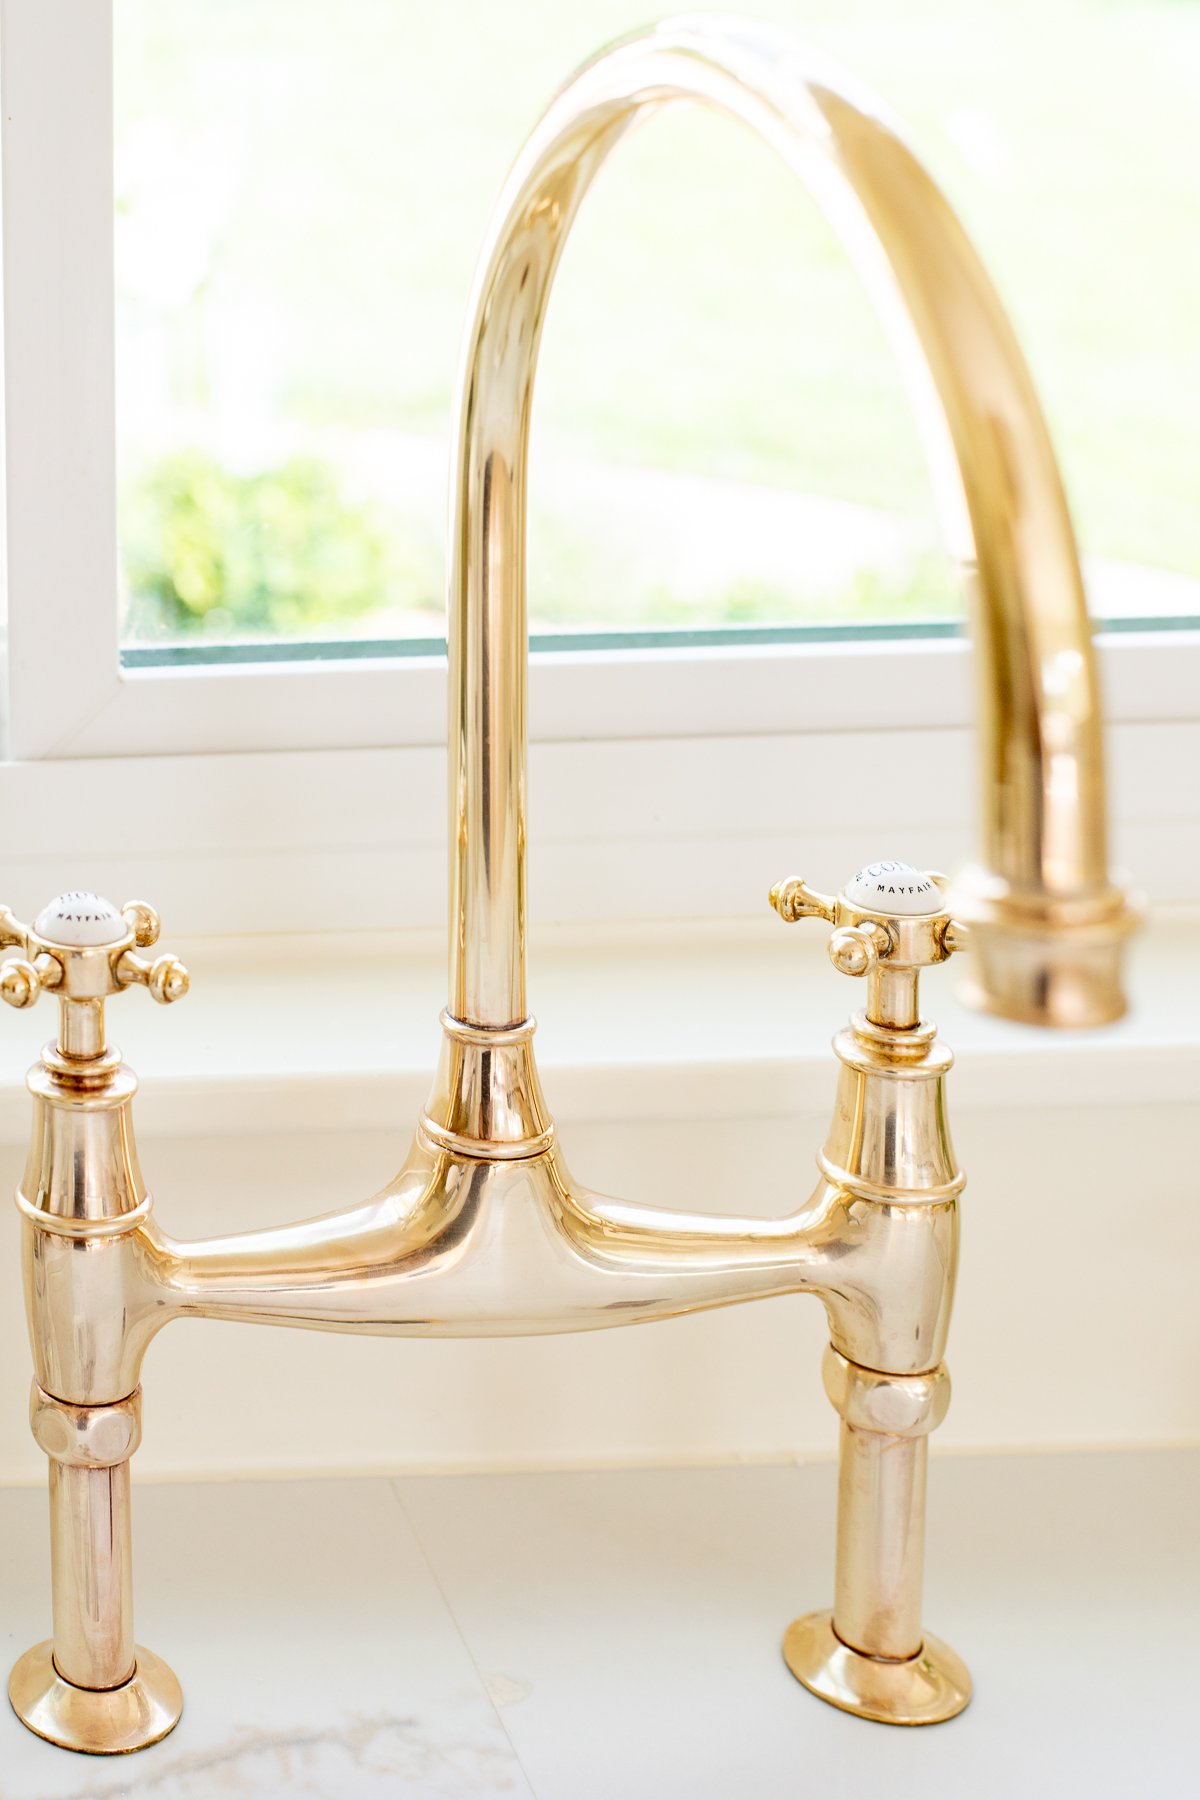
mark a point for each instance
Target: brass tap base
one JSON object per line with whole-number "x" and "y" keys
{"x": 931, "y": 1686}
{"x": 100, "y": 1722}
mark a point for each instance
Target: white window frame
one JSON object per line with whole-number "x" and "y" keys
{"x": 223, "y": 726}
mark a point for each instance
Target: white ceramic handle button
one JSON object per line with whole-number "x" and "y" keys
{"x": 80, "y": 921}
{"x": 894, "y": 887}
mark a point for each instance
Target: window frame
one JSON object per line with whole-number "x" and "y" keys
{"x": 72, "y": 701}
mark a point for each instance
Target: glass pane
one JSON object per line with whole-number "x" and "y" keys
{"x": 720, "y": 440}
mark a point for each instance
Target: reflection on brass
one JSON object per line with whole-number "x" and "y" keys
{"x": 484, "y": 1231}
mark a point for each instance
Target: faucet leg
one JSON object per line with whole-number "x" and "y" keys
{"x": 869, "y": 1655}
{"x": 91, "y": 1687}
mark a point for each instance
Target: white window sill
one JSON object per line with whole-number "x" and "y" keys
{"x": 668, "y": 1022}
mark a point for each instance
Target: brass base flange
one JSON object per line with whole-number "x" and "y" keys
{"x": 931, "y": 1686}
{"x": 105, "y": 1722}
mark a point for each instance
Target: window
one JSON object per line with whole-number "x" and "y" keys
{"x": 722, "y": 440}
{"x": 725, "y": 481}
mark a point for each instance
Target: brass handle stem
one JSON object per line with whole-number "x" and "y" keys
{"x": 166, "y": 978}
{"x": 893, "y": 999}
{"x": 19, "y": 983}
{"x": 11, "y": 930}
{"x": 23, "y": 982}
{"x": 794, "y": 900}
{"x": 81, "y": 1030}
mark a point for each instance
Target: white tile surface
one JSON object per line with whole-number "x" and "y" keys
{"x": 638, "y": 1619}
{"x": 615, "y": 1637}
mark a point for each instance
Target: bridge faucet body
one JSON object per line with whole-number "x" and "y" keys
{"x": 484, "y": 1231}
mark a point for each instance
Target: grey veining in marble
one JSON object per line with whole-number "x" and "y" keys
{"x": 317, "y": 1655}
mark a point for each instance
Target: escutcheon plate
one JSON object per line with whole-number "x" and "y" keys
{"x": 931, "y": 1686}
{"x": 105, "y": 1722}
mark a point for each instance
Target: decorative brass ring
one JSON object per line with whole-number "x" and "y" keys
{"x": 909, "y": 1043}
{"x": 489, "y": 1036}
{"x": 84, "y": 1228}
{"x": 884, "y": 1196}
{"x": 861, "y": 1051}
{"x": 485, "y": 1149}
{"x": 92, "y": 1071}
{"x": 96, "y": 1091}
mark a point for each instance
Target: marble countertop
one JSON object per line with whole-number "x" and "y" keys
{"x": 596, "y": 1635}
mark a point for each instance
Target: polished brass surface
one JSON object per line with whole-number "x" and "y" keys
{"x": 890, "y": 949}
{"x": 881, "y": 1502}
{"x": 1044, "y": 840}
{"x": 1045, "y": 962}
{"x": 100, "y": 1723}
{"x": 487, "y": 1100}
{"x": 86, "y": 1437}
{"x": 166, "y": 977}
{"x": 143, "y": 921}
{"x": 82, "y": 1160}
{"x": 81, "y": 1200}
{"x": 484, "y": 1231}
{"x": 794, "y": 900}
{"x": 91, "y": 959}
{"x": 925, "y": 1689}
{"x": 91, "y": 1573}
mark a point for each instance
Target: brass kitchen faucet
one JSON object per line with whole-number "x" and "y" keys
{"x": 484, "y": 1231}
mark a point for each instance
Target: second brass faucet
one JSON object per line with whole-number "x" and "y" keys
{"x": 484, "y": 1230}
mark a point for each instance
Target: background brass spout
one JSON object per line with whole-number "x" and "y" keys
{"x": 484, "y": 1230}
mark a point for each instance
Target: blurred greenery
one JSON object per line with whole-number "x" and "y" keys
{"x": 283, "y": 553}
{"x": 336, "y": 175}
{"x": 923, "y": 588}
{"x": 271, "y": 554}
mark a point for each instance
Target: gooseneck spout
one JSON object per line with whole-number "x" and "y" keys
{"x": 1047, "y": 922}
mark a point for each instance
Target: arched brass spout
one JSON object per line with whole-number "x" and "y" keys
{"x": 1047, "y": 923}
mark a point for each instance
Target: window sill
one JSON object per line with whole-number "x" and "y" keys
{"x": 670, "y": 1023}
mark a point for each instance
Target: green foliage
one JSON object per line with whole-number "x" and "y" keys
{"x": 275, "y": 553}
{"x": 923, "y": 588}
{"x": 211, "y": 553}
